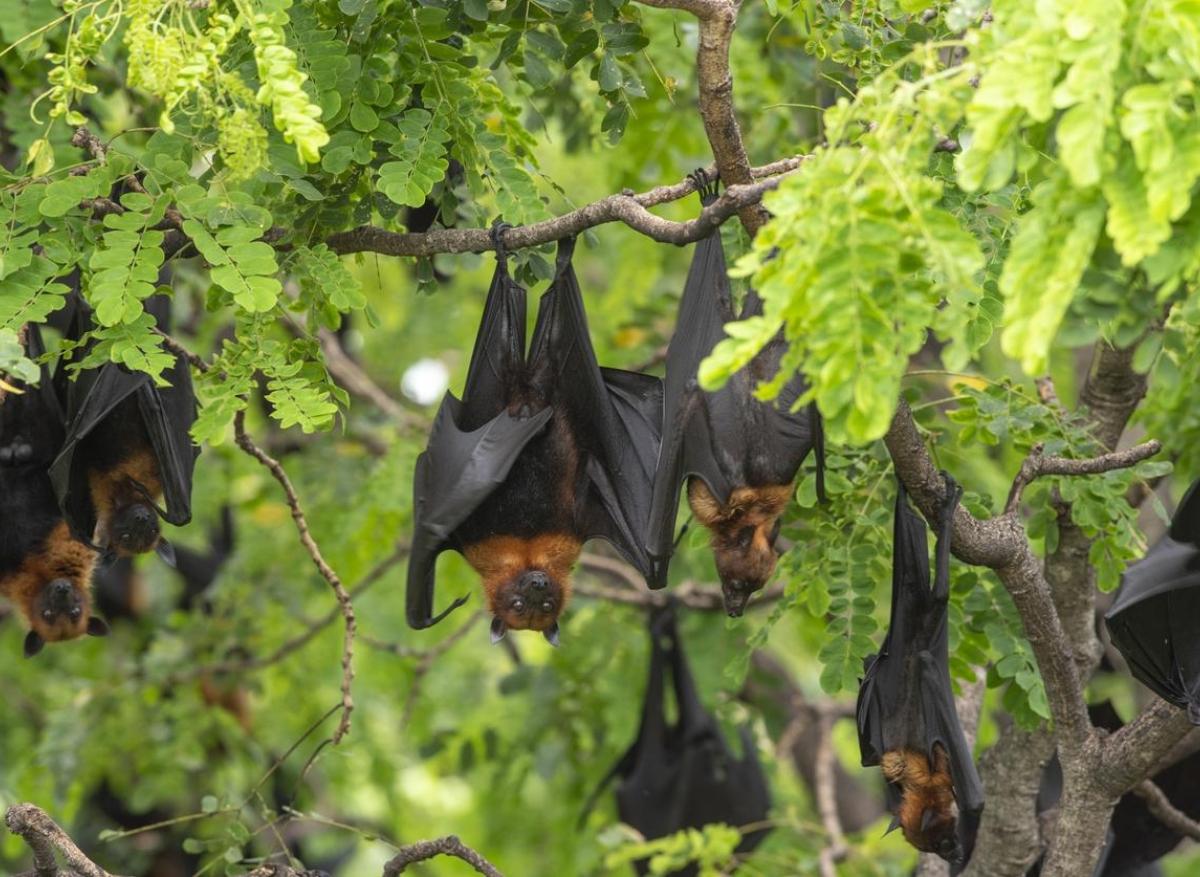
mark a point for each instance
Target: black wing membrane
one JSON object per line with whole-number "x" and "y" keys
{"x": 31, "y": 432}
{"x": 727, "y": 438}
{"x": 475, "y": 442}
{"x": 906, "y": 699}
{"x": 617, "y": 415}
{"x": 166, "y": 412}
{"x": 1152, "y": 620}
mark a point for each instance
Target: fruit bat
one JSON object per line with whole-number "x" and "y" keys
{"x": 45, "y": 572}
{"x": 545, "y": 451}
{"x": 684, "y": 775}
{"x": 127, "y": 449}
{"x": 907, "y": 722}
{"x": 738, "y": 455}
{"x": 1153, "y": 619}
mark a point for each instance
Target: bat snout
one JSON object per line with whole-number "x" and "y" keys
{"x": 534, "y": 580}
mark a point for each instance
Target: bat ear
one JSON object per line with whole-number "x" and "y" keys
{"x": 551, "y": 634}
{"x": 926, "y": 819}
{"x": 33, "y": 643}
{"x": 166, "y": 551}
{"x": 893, "y": 825}
{"x": 107, "y": 557}
{"x": 97, "y": 627}
{"x": 499, "y": 628}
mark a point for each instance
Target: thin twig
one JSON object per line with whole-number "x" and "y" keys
{"x": 1160, "y": 805}
{"x": 345, "y": 603}
{"x": 442, "y": 846}
{"x": 1038, "y": 464}
{"x": 299, "y": 641}
{"x": 707, "y": 598}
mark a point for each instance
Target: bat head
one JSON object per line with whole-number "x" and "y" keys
{"x": 939, "y": 835}
{"x": 134, "y": 529}
{"x": 743, "y": 532}
{"x": 527, "y": 581}
{"x": 745, "y": 561}
{"x": 61, "y": 610}
{"x": 531, "y": 600}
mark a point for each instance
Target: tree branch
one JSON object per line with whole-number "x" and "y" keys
{"x": 1037, "y": 464}
{"x": 715, "y": 96}
{"x": 706, "y": 598}
{"x": 623, "y": 207}
{"x": 1160, "y": 805}
{"x": 310, "y": 545}
{"x": 443, "y": 846}
{"x": 44, "y": 836}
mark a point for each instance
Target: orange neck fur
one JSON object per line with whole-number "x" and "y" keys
{"x": 58, "y": 557}
{"x": 500, "y": 559}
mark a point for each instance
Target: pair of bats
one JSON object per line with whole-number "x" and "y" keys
{"x": 547, "y": 450}
{"x": 84, "y": 465}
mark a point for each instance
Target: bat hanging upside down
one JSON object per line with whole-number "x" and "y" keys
{"x": 545, "y": 451}
{"x": 928, "y": 812}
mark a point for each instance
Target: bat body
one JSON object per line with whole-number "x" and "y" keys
{"x": 738, "y": 455}
{"x": 1152, "y": 618}
{"x": 127, "y": 452}
{"x": 44, "y": 571}
{"x": 907, "y": 722}
{"x": 545, "y": 451}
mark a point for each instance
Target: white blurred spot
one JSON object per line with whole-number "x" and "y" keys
{"x": 425, "y": 381}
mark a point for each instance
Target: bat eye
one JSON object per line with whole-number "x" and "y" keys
{"x": 547, "y": 606}
{"x": 47, "y": 614}
{"x": 518, "y": 605}
{"x": 744, "y": 537}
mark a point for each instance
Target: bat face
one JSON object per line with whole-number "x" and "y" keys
{"x": 134, "y": 530}
{"x": 743, "y": 532}
{"x": 928, "y": 812}
{"x": 527, "y": 581}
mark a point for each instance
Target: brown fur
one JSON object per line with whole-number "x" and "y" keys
{"x": 130, "y": 481}
{"x": 230, "y": 697}
{"x": 500, "y": 559}
{"x": 741, "y": 529}
{"x": 924, "y": 787}
{"x": 59, "y": 556}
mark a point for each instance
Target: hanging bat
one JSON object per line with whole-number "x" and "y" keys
{"x": 127, "y": 450}
{"x": 907, "y": 722}
{"x": 545, "y": 451}
{"x": 1151, "y": 620}
{"x": 45, "y": 572}
{"x": 739, "y": 455}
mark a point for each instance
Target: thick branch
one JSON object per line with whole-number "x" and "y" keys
{"x": 443, "y": 846}
{"x": 44, "y": 836}
{"x": 1136, "y": 750}
{"x": 715, "y": 96}
{"x": 1037, "y": 464}
{"x": 310, "y": 545}
{"x": 1160, "y": 805}
{"x": 624, "y": 207}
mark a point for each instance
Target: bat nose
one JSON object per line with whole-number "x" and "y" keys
{"x": 60, "y": 588}
{"x": 143, "y": 516}
{"x": 536, "y": 579}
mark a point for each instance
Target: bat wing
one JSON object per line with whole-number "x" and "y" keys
{"x": 689, "y": 446}
{"x": 169, "y": 413}
{"x": 457, "y": 472}
{"x": 91, "y": 398}
{"x": 1149, "y": 620}
{"x": 616, "y": 417}
{"x": 498, "y": 353}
